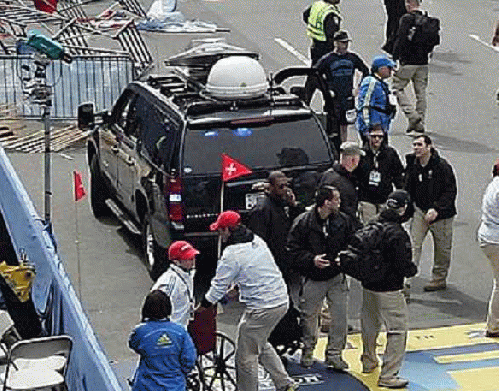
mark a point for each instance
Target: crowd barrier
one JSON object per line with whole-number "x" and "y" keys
{"x": 52, "y": 292}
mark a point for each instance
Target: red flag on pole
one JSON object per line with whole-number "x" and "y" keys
{"x": 78, "y": 186}
{"x": 231, "y": 168}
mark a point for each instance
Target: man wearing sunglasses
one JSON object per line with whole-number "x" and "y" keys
{"x": 271, "y": 219}
{"x": 380, "y": 171}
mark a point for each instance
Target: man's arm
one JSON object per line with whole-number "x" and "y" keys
{"x": 401, "y": 41}
{"x": 225, "y": 275}
{"x": 301, "y": 258}
{"x": 447, "y": 199}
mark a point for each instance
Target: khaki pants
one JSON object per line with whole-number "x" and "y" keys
{"x": 441, "y": 231}
{"x": 390, "y": 309}
{"x": 418, "y": 75}
{"x": 334, "y": 291}
{"x": 252, "y": 348}
{"x": 492, "y": 253}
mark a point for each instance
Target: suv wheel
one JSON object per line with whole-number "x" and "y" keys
{"x": 98, "y": 190}
{"x": 154, "y": 254}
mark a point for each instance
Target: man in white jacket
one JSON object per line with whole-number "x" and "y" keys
{"x": 178, "y": 281}
{"x": 248, "y": 262}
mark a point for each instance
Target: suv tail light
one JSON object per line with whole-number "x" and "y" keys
{"x": 173, "y": 196}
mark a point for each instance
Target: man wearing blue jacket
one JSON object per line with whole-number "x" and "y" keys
{"x": 376, "y": 104}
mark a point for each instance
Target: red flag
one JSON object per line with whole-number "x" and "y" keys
{"x": 231, "y": 168}
{"x": 78, "y": 186}
{"x": 49, "y": 6}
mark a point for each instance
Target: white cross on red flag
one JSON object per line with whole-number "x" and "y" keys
{"x": 231, "y": 168}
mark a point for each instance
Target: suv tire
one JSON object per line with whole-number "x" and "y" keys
{"x": 154, "y": 254}
{"x": 98, "y": 191}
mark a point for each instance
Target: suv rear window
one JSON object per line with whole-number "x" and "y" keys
{"x": 264, "y": 145}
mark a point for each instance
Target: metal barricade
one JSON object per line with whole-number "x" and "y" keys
{"x": 96, "y": 78}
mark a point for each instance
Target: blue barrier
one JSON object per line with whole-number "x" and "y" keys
{"x": 52, "y": 292}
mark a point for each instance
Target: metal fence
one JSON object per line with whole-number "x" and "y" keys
{"x": 99, "y": 79}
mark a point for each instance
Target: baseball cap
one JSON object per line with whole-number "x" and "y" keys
{"x": 341, "y": 35}
{"x": 182, "y": 251}
{"x": 351, "y": 148}
{"x": 227, "y": 219}
{"x": 382, "y": 61}
{"x": 397, "y": 199}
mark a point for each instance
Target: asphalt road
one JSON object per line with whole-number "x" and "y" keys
{"x": 462, "y": 118}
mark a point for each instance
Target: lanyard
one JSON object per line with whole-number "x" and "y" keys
{"x": 191, "y": 298}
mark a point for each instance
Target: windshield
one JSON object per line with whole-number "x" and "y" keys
{"x": 267, "y": 145}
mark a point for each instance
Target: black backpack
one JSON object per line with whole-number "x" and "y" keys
{"x": 425, "y": 31}
{"x": 363, "y": 259}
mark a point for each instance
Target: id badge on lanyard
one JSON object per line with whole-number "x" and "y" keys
{"x": 374, "y": 178}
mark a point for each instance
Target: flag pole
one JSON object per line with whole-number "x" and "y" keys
{"x": 219, "y": 244}
{"x": 77, "y": 242}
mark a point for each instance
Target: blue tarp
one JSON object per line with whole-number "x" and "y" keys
{"x": 53, "y": 293}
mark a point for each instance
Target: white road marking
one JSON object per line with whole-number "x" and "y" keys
{"x": 293, "y": 51}
{"x": 477, "y": 38}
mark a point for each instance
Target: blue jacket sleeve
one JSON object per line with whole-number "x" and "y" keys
{"x": 188, "y": 354}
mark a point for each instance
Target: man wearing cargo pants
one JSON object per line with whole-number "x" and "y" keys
{"x": 432, "y": 185}
{"x": 314, "y": 241}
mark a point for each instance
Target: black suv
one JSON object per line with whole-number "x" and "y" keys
{"x": 155, "y": 159}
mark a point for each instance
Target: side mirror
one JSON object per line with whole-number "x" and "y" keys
{"x": 86, "y": 116}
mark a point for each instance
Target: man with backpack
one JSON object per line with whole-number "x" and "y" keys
{"x": 416, "y": 37}
{"x": 314, "y": 241}
{"x": 382, "y": 281}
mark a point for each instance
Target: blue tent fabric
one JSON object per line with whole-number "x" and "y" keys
{"x": 52, "y": 292}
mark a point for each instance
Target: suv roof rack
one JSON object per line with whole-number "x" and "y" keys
{"x": 184, "y": 81}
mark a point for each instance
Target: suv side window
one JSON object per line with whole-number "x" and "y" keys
{"x": 122, "y": 108}
{"x": 157, "y": 132}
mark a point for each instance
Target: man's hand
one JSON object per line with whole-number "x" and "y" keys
{"x": 430, "y": 216}
{"x": 321, "y": 262}
{"x": 290, "y": 198}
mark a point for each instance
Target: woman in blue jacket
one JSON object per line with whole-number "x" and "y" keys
{"x": 167, "y": 353}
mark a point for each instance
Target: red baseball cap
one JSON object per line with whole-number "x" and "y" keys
{"x": 182, "y": 251}
{"x": 227, "y": 219}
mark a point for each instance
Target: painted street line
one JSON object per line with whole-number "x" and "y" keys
{"x": 293, "y": 51}
{"x": 478, "y": 39}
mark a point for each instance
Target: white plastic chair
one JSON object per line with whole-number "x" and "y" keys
{"x": 6, "y": 324}
{"x": 38, "y": 363}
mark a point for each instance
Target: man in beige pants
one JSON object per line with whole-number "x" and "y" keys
{"x": 412, "y": 55}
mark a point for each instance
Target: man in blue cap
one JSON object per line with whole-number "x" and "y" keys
{"x": 376, "y": 103}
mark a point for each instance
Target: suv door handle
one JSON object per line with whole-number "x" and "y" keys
{"x": 115, "y": 149}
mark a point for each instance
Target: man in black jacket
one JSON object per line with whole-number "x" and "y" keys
{"x": 314, "y": 241}
{"x": 339, "y": 68}
{"x": 271, "y": 219}
{"x": 379, "y": 171}
{"x": 431, "y": 183}
{"x": 383, "y": 302}
{"x": 413, "y": 66}
{"x": 342, "y": 177}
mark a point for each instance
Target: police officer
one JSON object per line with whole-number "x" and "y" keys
{"x": 323, "y": 20}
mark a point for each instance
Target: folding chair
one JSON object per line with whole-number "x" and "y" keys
{"x": 38, "y": 363}
{"x": 7, "y": 327}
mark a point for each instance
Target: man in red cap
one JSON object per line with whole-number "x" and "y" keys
{"x": 178, "y": 281}
{"x": 248, "y": 262}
